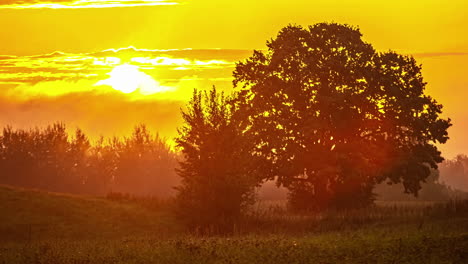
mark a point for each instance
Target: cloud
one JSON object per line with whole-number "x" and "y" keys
{"x": 439, "y": 54}
{"x": 70, "y": 4}
{"x": 194, "y": 54}
{"x": 59, "y": 73}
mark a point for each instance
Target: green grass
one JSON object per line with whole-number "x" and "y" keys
{"x": 40, "y": 227}
{"x": 36, "y": 215}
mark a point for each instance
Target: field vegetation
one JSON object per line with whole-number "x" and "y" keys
{"x": 42, "y": 227}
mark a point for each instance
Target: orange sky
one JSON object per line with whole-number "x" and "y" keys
{"x": 71, "y": 86}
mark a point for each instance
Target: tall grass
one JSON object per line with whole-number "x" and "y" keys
{"x": 275, "y": 218}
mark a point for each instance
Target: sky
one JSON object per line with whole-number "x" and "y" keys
{"x": 71, "y": 60}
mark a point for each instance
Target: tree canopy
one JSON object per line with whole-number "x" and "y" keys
{"x": 218, "y": 176}
{"x": 333, "y": 117}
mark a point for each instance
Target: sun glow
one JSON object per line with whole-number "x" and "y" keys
{"x": 128, "y": 79}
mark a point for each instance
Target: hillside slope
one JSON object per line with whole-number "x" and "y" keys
{"x": 37, "y": 215}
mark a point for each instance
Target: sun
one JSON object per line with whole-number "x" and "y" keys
{"x": 129, "y": 79}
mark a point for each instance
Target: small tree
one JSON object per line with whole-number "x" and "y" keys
{"x": 334, "y": 117}
{"x": 218, "y": 179}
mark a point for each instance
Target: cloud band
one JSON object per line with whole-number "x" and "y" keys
{"x": 71, "y": 4}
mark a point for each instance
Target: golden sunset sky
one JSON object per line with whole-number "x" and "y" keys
{"x": 107, "y": 65}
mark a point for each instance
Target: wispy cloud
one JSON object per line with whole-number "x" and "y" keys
{"x": 168, "y": 64}
{"x": 59, "y": 73}
{"x": 70, "y": 4}
{"x": 439, "y": 54}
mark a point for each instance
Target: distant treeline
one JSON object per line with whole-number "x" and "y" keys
{"x": 433, "y": 189}
{"x": 51, "y": 159}
{"x": 449, "y": 181}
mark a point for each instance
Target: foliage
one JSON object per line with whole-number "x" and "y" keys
{"x": 42, "y": 159}
{"x": 50, "y": 159}
{"x": 144, "y": 163}
{"x": 333, "y": 117}
{"x": 218, "y": 178}
{"x": 352, "y": 248}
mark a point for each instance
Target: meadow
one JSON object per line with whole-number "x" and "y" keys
{"x": 42, "y": 227}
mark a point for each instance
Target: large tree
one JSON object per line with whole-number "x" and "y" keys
{"x": 333, "y": 117}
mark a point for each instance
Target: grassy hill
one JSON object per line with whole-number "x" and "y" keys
{"x": 43, "y": 227}
{"x": 37, "y": 215}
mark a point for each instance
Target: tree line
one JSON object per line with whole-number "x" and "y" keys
{"x": 51, "y": 159}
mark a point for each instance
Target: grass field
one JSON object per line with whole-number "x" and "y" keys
{"x": 40, "y": 227}
{"x": 37, "y": 216}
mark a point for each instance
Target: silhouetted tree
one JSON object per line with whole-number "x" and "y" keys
{"x": 144, "y": 164}
{"x": 17, "y": 157}
{"x": 334, "y": 117}
{"x": 218, "y": 179}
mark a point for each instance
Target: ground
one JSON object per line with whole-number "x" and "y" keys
{"x": 41, "y": 227}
